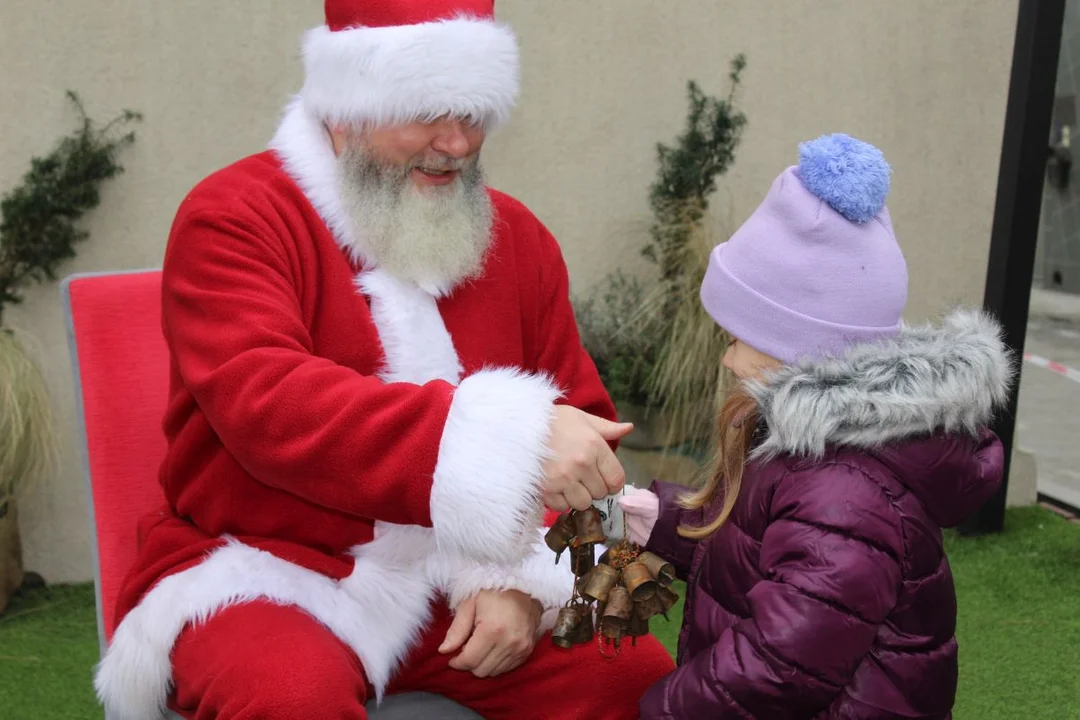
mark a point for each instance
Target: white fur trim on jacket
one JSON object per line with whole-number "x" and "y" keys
{"x": 486, "y": 499}
{"x": 486, "y": 496}
{"x": 378, "y": 611}
{"x": 538, "y": 576}
{"x": 308, "y": 157}
{"x": 406, "y": 317}
{"x": 462, "y": 67}
{"x": 949, "y": 377}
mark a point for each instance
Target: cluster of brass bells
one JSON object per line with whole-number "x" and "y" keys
{"x": 628, "y": 586}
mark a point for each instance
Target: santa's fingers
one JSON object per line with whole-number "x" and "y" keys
{"x": 512, "y": 662}
{"x": 461, "y": 627}
{"x": 611, "y": 471}
{"x": 578, "y": 496}
{"x": 492, "y": 662}
{"x": 594, "y": 481}
{"x": 475, "y": 651}
{"x": 556, "y": 502}
{"x": 504, "y": 657}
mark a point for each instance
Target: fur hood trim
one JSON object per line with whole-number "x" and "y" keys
{"x": 949, "y": 377}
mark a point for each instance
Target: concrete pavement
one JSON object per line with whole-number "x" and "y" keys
{"x": 1048, "y": 421}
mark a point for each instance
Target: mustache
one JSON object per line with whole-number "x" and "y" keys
{"x": 366, "y": 169}
{"x": 439, "y": 163}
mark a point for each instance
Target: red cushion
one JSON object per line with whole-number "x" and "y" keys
{"x": 123, "y": 367}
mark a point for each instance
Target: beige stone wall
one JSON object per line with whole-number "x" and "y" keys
{"x": 604, "y": 80}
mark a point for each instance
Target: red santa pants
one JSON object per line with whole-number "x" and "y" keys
{"x": 271, "y": 662}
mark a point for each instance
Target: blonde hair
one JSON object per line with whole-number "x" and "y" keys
{"x": 736, "y": 425}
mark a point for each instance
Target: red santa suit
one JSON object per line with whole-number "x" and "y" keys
{"x": 342, "y": 441}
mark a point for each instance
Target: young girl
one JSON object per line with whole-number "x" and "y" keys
{"x": 817, "y": 582}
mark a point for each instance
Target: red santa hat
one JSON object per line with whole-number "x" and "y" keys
{"x": 390, "y": 61}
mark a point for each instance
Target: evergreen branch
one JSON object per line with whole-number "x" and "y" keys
{"x": 688, "y": 170}
{"x": 37, "y": 217}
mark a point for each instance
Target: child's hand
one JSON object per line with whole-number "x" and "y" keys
{"x": 640, "y": 510}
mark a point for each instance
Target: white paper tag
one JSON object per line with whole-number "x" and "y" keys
{"x": 611, "y": 513}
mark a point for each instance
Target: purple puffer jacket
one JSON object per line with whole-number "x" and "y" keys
{"x": 828, "y": 594}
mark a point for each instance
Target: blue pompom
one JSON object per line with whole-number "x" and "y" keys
{"x": 849, "y": 174}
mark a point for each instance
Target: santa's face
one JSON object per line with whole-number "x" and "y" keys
{"x": 416, "y": 198}
{"x": 433, "y": 150}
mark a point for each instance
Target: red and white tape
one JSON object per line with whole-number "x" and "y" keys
{"x": 1053, "y": 366}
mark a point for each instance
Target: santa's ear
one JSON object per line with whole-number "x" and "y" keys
{"x": 338, "y": 133}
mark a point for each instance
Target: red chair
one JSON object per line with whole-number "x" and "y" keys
{"x": 120, "y": 363}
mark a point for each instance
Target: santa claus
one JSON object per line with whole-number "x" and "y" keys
{"x": 376, "y": 387}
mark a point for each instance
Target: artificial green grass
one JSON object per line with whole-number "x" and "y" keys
{"x": 48, "y": 648}
{"x": 1019, "y": 619}
{"x": 1019, "y": 631}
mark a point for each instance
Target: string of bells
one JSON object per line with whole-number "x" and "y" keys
{"x": 616, "y": 596}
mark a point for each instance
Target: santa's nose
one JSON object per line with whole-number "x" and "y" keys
{"x": 452, "y": 139}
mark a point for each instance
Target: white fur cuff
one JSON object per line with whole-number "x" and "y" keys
{"x": 538, "y": 576}
{"x": 486, "y": 498}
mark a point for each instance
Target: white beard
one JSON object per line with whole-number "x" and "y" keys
{"x": 436, "y": 237}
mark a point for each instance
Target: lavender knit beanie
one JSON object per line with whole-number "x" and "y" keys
{"x": 816, "y": 267}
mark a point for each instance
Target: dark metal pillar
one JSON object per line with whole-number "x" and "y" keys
{"x": 1010, "y": 270}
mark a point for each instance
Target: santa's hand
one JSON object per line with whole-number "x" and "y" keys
{"x": 641, "y": 509}
{"x": 500, "y": 627}
{"x": 582, "y": 467}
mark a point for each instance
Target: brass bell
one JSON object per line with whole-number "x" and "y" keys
{"x": 584, "y": 631}
{"x": 616, "y": 619}
{"x": 579, "y": 582}
{"x": 639, "y": 581}
{"x": 662, "y": 570}
{"x": 582, "y": 559}
{"x": 566, "y": 622}
{"x": 639, "y": 627}
{"x": 589, "y": 526}
{"x": 659, "y": 604}
{"x": 648, "y": 608}
{"x": 599, "y": 582}
{"x": 559, "y": 535}
{"x": 668, "y": 598}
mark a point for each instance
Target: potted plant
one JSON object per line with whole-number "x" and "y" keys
{"x": 37, "y": 232}
{"x": 624, "y": 342}
{"x": 656, "y": 349}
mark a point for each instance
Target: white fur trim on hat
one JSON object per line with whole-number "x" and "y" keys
{"x": 462, "y": 67}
